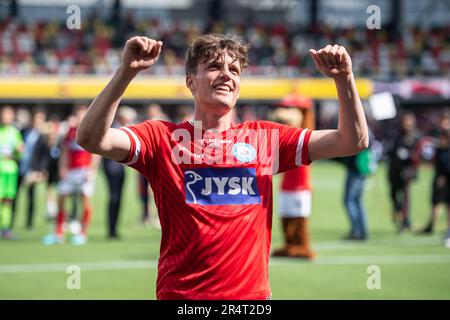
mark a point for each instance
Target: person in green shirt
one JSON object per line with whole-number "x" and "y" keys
{"x": 11, "y": 148}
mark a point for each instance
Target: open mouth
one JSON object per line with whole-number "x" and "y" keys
{"x": 222, "y": 88}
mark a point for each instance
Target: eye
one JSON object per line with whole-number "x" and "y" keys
{"x": 234, "y": 70}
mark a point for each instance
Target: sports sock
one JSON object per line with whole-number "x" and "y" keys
{"x": 60, "y": 219}
{"x": 85, "y": 220}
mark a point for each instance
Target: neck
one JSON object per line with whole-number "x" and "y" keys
{"x": 214, "y": 121}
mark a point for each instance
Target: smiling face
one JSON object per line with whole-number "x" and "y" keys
{"x": 408, "y": 122}
{"x": 216, "y": 83}
{"x": 7, "y": 115}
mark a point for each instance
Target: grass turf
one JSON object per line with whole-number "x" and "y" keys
{"x": 411, "y": 266}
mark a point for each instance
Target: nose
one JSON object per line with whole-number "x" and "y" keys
{"x": 225, "y": 72}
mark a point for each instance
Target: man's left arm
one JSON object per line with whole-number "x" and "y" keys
{"x": 351, "y": 136}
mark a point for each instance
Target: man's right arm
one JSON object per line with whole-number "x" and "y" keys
{"x": 95, "y": 133}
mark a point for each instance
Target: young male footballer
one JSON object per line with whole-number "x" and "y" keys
{"x": 212, "y": 178}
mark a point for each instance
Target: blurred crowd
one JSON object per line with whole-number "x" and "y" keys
{"x": 277, "y": 49}
{"x": 36, "y": 142}
{"x": 40, "y": 147}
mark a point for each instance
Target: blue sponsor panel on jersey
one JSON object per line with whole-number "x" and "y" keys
{"x": 215, "y": 186}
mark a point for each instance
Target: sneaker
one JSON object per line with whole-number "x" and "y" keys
{"x": 79, "y": 240}
{"x": 447, "y": 243}
{"x": 75, "y": 227}
{"x": 114, "y": 237}
{"x": 52, "y": 239}
{"x": 352, "y": 237}
{"x": 404, "y": 226}
{"x": 447, "y": 239}
{"x": 426, "y": 230}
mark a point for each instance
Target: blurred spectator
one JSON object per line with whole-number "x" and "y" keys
{"x": 115, "y": 175}
{"x": 358, "y": 167}
{"x": 30, "y": 165}
{"x": 51, "y": 152}
{"x": 153, "y": 112}
{"x": 184, "y": 113}
{"x": 403, "y": 157}
{"x": 441, "y": 181}
{"x": 77, "y": 170}
{"x": 11, "y": 148}
{"x": 23, "y": 118}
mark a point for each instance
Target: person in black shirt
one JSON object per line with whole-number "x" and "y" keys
{"x": 403, "y": 159}
{"x": 115, "y": 175}
{"x": 441, "y": 181}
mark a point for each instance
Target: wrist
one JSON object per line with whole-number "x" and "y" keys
{"x": 344, "y": 77}
{"x": 126, "y": 73}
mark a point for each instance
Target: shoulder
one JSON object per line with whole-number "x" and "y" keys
{"x": 156, "y": 125}
{"x": 153, "y": 129}
{"x": 260, "y": 124}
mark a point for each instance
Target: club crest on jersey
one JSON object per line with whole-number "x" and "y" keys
{"x": 244, "y": 152}
{"x": 216, "y": 186}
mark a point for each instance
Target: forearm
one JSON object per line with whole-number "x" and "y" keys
{"x": 102, "y": 110}
{"x": 352, "y": 126}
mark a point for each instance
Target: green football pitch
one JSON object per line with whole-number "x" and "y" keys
{"x": 407, "y": 266}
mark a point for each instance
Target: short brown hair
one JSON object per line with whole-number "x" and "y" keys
{"x": 210, "y": 46}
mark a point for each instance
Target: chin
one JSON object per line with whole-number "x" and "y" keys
{"x": 223, "y": 104}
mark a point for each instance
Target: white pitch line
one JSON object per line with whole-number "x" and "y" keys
{"x": 151, "y": 264}
{"x": 84, "y": 266}
{"x": 366, "y": 260}
{"x": 343, "y": 244}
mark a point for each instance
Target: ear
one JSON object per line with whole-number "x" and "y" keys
{"x": 190, "y": 83}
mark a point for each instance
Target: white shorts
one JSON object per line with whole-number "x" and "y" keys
{"x": 76, "y": 181}
{"x": 294, "y": 204}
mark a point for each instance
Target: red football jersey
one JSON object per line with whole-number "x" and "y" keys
{"x": 296, "y": 180}
{"x": 213, "y": 191}
{"x": 76, "y": 155}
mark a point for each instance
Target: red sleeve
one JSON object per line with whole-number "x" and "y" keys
{"x": 289, "y": 145}
{"x": 293, "y": 147}
{"x": 144, "y": 139}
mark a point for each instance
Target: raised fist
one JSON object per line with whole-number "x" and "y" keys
{"x": 332, "y": 61}
{"x": 140, "y": 53}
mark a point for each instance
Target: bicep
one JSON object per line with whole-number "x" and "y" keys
{"x": 115, "y": 145}
{"x": 325, "y": 144}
